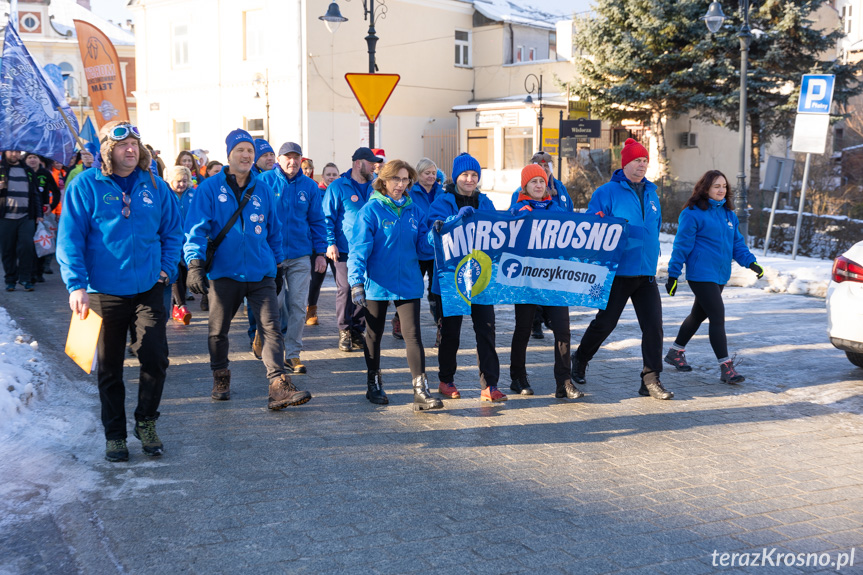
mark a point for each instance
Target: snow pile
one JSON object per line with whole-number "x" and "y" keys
{"x": 22, "y": 370}
{"x": 803, "y": 276}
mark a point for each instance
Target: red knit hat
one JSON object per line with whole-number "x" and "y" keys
{"x": 530, "y": 172}
{"x": 631, "y": 151}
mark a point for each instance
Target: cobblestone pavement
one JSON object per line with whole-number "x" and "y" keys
{"x": 611, "y": 483}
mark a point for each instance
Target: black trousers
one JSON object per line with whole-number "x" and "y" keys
{"x": 145, "y": 314}
{"x": 376, "y": 319}
{"x": 18, "y": 249}
{"x": 178, "y": 291}
{"x": 643, "y": 292}
{"x": 524, "y": 317}
{"x": 226, "y": 296}
{"x": 708, "y": 305}
{"x": 348, "y": 315}
{"x": 483, "y": 327}
{"x": 427, "y": 269}
{"x": 317, "y": 279}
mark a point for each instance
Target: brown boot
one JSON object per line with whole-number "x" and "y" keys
{"x": 312, "y": 315}
{"x": 258, "y": 344}
{"x": 283, "y": 393}
{"x": 221, "y": 384}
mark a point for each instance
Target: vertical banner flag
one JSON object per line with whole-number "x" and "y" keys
{"x": 550, "y": 259}
{"x": 29, "y": 102}
{"x": 88, "y": 132}
{"x": 102, "y": 70}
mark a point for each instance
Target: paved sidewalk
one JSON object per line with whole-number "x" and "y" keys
{"x": 611, "y": 483}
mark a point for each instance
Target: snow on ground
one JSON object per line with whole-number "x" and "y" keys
{"x": 21, "y": 369}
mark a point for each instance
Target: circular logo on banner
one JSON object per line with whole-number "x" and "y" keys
{"x": 355, "y": 198}
{"x": 511, "y": 268}
{"x": 473, "y": 274}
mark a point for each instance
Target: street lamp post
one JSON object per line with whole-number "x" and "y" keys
{"x": 531, "y": 84}
{"x": 372, "y": 10}
{"x": 714, "y": 19}
{"x": 262, "y": 83}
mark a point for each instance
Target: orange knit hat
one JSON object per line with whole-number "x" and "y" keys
{"x": 530, "y": 172}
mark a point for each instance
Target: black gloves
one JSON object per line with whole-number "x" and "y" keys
{"x": 759, "y": 271}
{"x": 358, "y": 295}
{"x": 196, "y": 279}
{"x": 671, "y": 286}
{"x": 437, "y": 225}
{"x": 280, "y": 279}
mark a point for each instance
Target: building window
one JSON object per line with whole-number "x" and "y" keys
{"x": 68, "y": 79}
{"x": 846, "y": 18}
{"x": 181, "y": 45}
{"x": 462, "y": 48}
{"x": 519, "y": 53}
{"x": 29, "y": 23}
{"x": 253, "y": 33}
{"x": 517, "y": 147}
{"x": 531, "y": 54}
{"x": 183, "y": 133}
{"x": 552, "y": 45}
{"x": 480, "y": 145}
{"x": 255, "y": 127}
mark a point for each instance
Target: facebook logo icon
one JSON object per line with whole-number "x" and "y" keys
{"x": 511, "y": 268}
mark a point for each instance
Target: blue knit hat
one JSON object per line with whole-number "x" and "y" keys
{"x": 262, "y": 147}
{"x": 440, "y": 176}
{"x": 237, "y": 136}
{"x": 464, "y": 162}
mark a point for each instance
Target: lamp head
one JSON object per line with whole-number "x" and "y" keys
{"x": 714, "y": 17}
{"x": 333, "y": 18}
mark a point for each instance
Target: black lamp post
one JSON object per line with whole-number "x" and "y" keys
{"x": 372, "y": 10}
{"x": 531, "y": 84}
{"x": 714, "y": 19}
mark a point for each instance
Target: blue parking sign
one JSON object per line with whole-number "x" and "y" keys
{"x": 816, "y": 94}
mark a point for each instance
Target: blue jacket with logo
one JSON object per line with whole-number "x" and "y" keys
{"x": 424, "y": 199}
{"x": 706, "y": 241}
{"x": 101, "y": 250}
{"x": 444, "y": 208}
{"x": 185, "y": 202}
{"x": 618, "y": 198}
{"x": 300, "y": 210}
{"x": 386, "y": 248}
{"x": 562, "y": 198}
{"x": 343, "y": 200}
{"x": 252, "y": 248}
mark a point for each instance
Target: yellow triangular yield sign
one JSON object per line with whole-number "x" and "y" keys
{"x": 372, "y": 91}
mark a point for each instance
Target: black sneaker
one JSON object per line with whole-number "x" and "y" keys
{"x": 10, "y": 287}
{"x": 567, "y": 390}
{"x": 116, "y": 450}
{"x": 521, "y": 385}
{"x": 578, "y": 370}
{"x": 150, "y": 442}
{"x": 358, "y": 339}
{"x": 345, "y": 340}
{"x": 727, "y": 373}
{"x": 677, "y": 358}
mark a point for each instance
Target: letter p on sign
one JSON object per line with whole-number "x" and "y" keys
{"x": 816, "y": 94}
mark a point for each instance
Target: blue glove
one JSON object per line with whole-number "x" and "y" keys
{"x": 358, "y": 295}
{"x": 513, "y": 211}
{"x": 465, "y": 211}
{"x": 759, "y": 271}
{"x": 671, "y": 286}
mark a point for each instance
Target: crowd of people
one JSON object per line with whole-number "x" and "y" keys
{"x": 135, "y": 237}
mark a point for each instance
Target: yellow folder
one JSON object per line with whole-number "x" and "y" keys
{"x": 82, "y": 340}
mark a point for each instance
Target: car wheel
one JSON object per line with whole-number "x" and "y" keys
{"x": 855, "y": 358}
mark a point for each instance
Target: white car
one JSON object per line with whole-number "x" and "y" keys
{"x": 845, "y": 304}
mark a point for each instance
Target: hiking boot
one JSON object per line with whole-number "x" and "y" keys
{"x": 422, "y": 399}
{"x": 205, "y": 302}
{"x": 258, "y": 345}
{"x": 39, "y": 279}
{"x": 536, "y": 331}
{"x": 650, "y": 385}
{"x": 345, "y": 340}
{"x": 727, "y": 373}
{"x": 448, "y": 390}
{"x": 521, "y": 385}
{"x": 181, "y": 315}
{"x": 221, "y": 384}
{"x": 376, "y": 393}
{"x": 397, "y": 328}
{"x": 676, "y": 358}
{"x": 492, "y": 393}
{"x": 566, "y": 389}
{"x": 578, "y": 370}
{"x": 150, "y": 442}
{"x": 437, "y": 336}
{"x": 294, "y": 365}
{"x": 27, "y": 286}
{"x": 312, "y": 315}
{"x": 283, "y": 393}
{"x": 358, "y": 339}
{"x": 116, "y": 450}
{"x": 10, "y": 287}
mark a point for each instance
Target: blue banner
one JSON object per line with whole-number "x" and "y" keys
{"x": 29, "y": 119}
{"x": 548, "y": 259}
{"x": 88, "y": 132}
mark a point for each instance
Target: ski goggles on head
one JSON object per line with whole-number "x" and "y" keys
{"x": 122, "y": 131}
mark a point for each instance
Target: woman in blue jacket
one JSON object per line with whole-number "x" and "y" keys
{"x": 460, "y": 199}
{"x": 535, "y": 197}
{"x": 707, "y": 240}
{"x": 387, "y": 242}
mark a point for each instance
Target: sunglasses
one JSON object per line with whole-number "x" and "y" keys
{"x": 127, "y": 202}
{"x": 121, "y": 132}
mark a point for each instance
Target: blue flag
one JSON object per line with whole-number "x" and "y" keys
{"x": 554, "y": 259}
{"x": 29, "y": 119}
{"x": 88, "y": 132}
